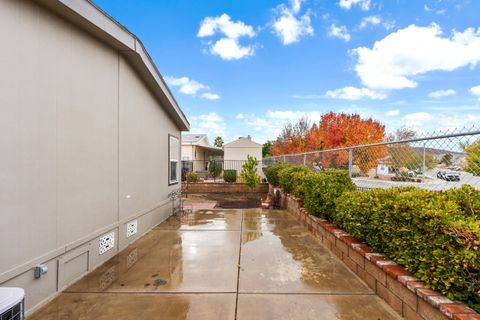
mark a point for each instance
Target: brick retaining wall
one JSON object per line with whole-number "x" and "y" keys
{"x": 206, "y": 187}
{"x": 406, "y": 294}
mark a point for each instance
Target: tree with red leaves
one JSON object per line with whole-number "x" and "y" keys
{"x": 335, "y": 130}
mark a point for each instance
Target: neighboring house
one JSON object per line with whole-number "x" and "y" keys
{"x": 235, "y": 152}
{"x": 195, "y": 147}
{"x": 90, "y": 142}
{"x": 197, "y": 153}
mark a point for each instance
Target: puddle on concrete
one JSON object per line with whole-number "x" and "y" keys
{"x": 196, "y": 257}
{"x": 93, "y": 306}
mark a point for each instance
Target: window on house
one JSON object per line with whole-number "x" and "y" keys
{"x": 173, "y": 156}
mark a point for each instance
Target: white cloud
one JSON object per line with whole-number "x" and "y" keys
{"x": 418, "y": 117}
{"x": 239, "y": 116}
{"x": 352, "y": 93}
{"x": 339, "y": 32}
{"x": 475, "y": 91}
{"x": 392, "y": 113}
{"x": 186, "y": 85}
{"x": 395, "y": 61}
{"x": 289, "y": 26}
{"x": 228, "y": 47}
{"x": 376, "y": 21}
{"x": 211, "y": 124}
{"x": 442, "y": 93}
{"x": 210, "y": 96}
{"x": 348, "y": 4}
{"x": 191, "y": 87}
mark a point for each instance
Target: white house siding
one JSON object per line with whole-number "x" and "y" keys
{"x": 239, "y": 150}
{"x": 84, "y": 149}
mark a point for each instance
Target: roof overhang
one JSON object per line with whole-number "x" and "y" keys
{"x": 93, "y": 20}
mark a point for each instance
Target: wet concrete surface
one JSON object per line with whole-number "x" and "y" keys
{"x": 221, "y": 264}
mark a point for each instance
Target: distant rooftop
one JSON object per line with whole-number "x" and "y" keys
{"x": 192, "y": 138}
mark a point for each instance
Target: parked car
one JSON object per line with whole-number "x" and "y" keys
{"x": 448, "y": 176}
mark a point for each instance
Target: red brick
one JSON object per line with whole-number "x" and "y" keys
{"x": 395, "y": 271}
{"x": 327, "y": 243}
{"x": 467, "y": 317}
{"x": 415, "y": 285}
{"x": 437, "y": 301}
{"x": 349, "y": 240}
{"x": 450, "y": 309}
{"x": 424, "y": 293}
{"x": 403, "y": 279}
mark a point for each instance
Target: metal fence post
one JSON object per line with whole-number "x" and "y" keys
{"x": 304, "y": 159}
{"x": 350, "y": 162}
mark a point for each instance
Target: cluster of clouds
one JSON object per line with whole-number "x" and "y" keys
{"x": 397, "y": 61}
{"x": 191, "y": 87}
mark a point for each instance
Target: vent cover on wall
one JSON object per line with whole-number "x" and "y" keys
{"x": 132, "y": 228}
{"x": 106, "y": 242}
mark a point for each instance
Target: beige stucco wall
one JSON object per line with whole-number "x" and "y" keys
{"x": 240, "y": 150}
{"x": 84, "y": 149}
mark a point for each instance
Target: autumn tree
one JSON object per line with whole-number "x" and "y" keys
{"x": 293, "y": 138}
{"x": 334, "y": 130}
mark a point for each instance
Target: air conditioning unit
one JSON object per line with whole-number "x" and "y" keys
{"x": 12, "y": 304}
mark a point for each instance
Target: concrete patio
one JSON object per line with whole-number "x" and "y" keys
{"x": 221, "y": 264}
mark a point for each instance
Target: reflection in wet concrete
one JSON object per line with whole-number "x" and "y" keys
{"x": 83, "y": 306}
{"x": 280, "y": 255}
{"x": 196, "y": 257}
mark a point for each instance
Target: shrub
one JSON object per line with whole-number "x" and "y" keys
{"x": 192, "y": 177}
{"x": 320, "y": 191}
{"x": 214, "y": 168}
{"x": 285, "y": 177}
{"x": 230, "y": 175}
{"x": 249, "y": 174}
{"x": 271, "y": 172}
{"x": 435, "y": 235}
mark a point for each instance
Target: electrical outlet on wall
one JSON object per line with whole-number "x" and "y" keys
{"x": 132, "y": 228}
{"x": 106, "y": 242}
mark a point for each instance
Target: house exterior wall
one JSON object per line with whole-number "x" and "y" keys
{"x": 240, "y": 150}
{"x": 84, "y": 148}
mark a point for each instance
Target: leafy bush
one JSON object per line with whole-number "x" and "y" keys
{"x": 271, "y": 172}
{"x": 285, "y": 177}
{"x": 192, "y": 177}
{"x": 435, "y": 235}
{"x": 214, "y": 168}
{"x": 249, "y": 174}
{"x": 230, "y": 175}
{"x": 321, "y": 190}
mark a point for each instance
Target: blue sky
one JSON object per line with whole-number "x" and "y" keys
{"x": 241, "y": 67}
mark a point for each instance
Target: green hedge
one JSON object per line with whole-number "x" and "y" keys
{"x": 321, "y": 190}
{"x": 230, "y": 175}
{"x": 271, "y": 172}
{"x": 286, "y": 177}
{"x": 435, "y": 235}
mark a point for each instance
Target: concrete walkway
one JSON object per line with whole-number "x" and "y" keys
{"x": 221, "y": 264}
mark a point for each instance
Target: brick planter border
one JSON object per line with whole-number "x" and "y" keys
{"x": 406, "y": 294}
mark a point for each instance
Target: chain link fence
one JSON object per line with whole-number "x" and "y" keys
{"x": 436, "y": 161}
